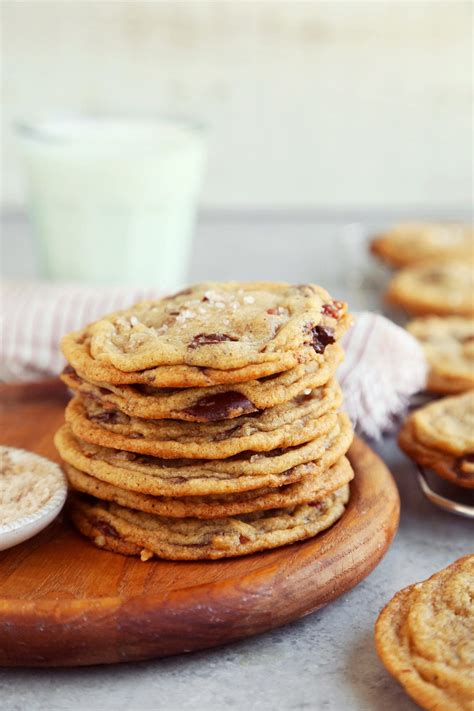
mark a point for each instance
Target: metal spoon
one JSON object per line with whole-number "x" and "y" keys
{"x": 441, "y": 501}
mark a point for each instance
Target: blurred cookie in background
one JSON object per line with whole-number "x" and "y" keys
{"x": 411, "y": 242}
{"x": 439, "y": 288}
{"x": 448, "y": 343}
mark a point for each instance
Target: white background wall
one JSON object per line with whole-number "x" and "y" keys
{"x": 310, "y": 104}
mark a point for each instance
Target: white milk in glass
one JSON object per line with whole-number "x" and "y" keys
{"x": 114, "y": 201}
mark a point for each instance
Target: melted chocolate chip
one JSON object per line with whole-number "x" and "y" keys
{"x": 321, "y": 337}
{"x": 203, "y": 339}
{"x": 220, "y": 407}
{"x": 69, "y": 370}
{"x": 243, "y": 539}
{"x": 106, "y": 529}
{"x": 110, "y": 417}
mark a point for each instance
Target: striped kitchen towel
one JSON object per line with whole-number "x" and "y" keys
{"x": 384, "y": 364}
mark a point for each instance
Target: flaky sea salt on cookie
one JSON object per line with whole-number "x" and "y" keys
{"x": 225, "y": 326}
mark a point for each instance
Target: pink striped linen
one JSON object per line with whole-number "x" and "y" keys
{"x": 384, "y": 364}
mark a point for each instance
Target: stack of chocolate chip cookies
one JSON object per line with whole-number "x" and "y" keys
{"x": 207, "y": 425}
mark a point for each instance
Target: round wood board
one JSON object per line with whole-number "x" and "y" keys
{"x": 64, "y": 602}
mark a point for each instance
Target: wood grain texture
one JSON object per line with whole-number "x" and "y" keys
{"x": 64, "y": 602}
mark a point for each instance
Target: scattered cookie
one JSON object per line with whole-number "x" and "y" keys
{"x": 440, "y": 436}
{"x": 411, "y": 242}
{"x": 425, "y": 638}
{"x": 448, "y": 343}
{"x": 435, "y": 288}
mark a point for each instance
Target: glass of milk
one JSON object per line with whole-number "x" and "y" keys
{"x": 114, "y": 200}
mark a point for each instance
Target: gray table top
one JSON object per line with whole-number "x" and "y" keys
{"x": 327, "y": 660}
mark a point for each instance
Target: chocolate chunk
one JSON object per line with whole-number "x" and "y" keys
{"x": 106, "y": 529}
{"x": 243, "y": 539}
{"x": 203, "y": 339}
{"x": 220, "y": 407}
{"x": 69, "y": 370}
{"x": 321, "y": 337}
{"x": 110, "y": 417}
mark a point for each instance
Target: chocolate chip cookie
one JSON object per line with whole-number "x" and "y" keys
{"x": 209, "y": 404}
{"x": 425, "y": 638}
{"x": 136, "y": 533}
{"x": 313, "y": 487}
{"x": 177, "y": 478}
{"x": 441, "y": 436}
{"x": 292, "y": 423}
{"x": 448, "y": 343}
{"x": 435, "y": 288}
{"x": 412, "y": 242}
{"x": 209, "y": 335}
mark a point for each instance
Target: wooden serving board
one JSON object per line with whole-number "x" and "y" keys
{"x": 64, "y": 602}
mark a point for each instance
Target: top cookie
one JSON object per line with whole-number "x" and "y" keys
{"x": 221, "y": 326}
{"x": 437, "y": 288}
{"x": 448, "y": 343}
{"x": 412, "y": 242}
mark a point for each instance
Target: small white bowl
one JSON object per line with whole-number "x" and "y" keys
{"x": 15, "y": 532}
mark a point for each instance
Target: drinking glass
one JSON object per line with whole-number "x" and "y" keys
{"x": 114, "y": 200}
